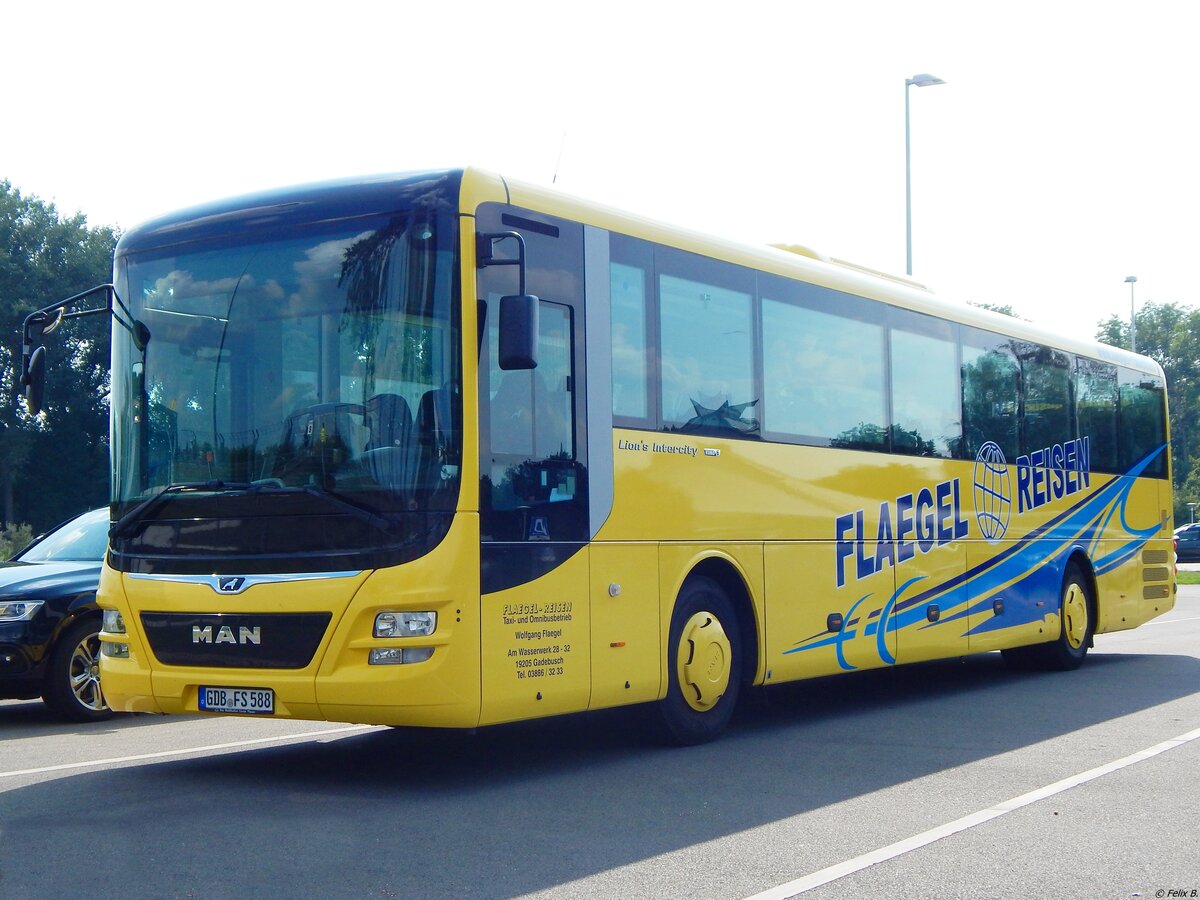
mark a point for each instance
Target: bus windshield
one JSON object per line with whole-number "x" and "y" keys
{"x": 318, "y": 372}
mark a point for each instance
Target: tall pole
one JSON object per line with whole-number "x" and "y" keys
{"x": 1131, "y": 281}
{"x": 907, "y": 182}
{"x": 924, "y": 80}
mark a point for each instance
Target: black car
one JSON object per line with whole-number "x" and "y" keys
{"x": 49, "y": 621}
{"x": 1187, "y": 544}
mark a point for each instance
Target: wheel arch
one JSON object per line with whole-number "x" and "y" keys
{"x": 728, "y": 575}
{"x": 81, "y": 607}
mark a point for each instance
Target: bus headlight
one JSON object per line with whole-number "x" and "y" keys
{"x": 405, "y": 624}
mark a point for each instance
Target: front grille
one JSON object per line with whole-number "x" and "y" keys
{"x": 243, "y": 640}
{"x": 1155, "y": 557}
{"x": 1155, "y": 592}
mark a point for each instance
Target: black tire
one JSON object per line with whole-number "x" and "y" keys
{"x": 1076, "y": 614}
{"x": 703, "y": 665}
{"x": 72, "y": 686}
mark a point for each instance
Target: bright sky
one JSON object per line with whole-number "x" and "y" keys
{"x": 1060, "y": 156}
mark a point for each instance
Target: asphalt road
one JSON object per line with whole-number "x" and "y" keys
{"x": 944, "y": 780}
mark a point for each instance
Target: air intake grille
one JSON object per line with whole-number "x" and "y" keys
{"x": 243, "y": 640}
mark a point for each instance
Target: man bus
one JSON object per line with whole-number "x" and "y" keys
{"x": 443, "y": 449}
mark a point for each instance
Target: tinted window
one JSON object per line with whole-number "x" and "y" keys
{"x": 1143, "y": 427}
{"x": 824, "y": 378}
{"x": 991, "y": 383}
{"x": 1096, "y": 396}
{"x": 1046, "y": 377}
{"x": 630, "y": 356}
{"x": 706, "y": 333}
{"x": 925, "y": 395}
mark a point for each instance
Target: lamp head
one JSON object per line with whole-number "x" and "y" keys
{"x": 923, "y": 80}
{"x": 1130, "y": 279}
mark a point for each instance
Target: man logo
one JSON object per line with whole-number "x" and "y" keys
{"x": 230, "y": 584}
{"x": 993, "y": 492}
{"x": 203, "y": 634}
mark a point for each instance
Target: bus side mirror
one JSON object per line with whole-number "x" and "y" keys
{"x": 34, "y": 381}
{"x": 518, "y": 331}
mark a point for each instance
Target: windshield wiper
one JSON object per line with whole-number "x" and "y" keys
{"x": 125, "y": 525}
{"x": 129, "y": 522}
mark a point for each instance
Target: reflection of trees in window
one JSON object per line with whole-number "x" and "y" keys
{"x": 863, "y": 436}
{"x": 726, "y": 418}
{"x": 1096, "y": 396}
{"x": 823, "y": 373}
{"x": 390, "y": 272}
{"x": 925, "y": 395}
{"x": 1046, "y": 378}
{"x": 990, "y": 399}
{"x": 1142, "y": 421}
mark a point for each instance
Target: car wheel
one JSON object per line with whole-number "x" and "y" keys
{"x": 73, "y": 677}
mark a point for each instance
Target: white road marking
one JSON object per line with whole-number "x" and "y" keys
{"x": 850, "y": 866}
{"x": 1171, "y": 621}
{"x": 163, "y": 754}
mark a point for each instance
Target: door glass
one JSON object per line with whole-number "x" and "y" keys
{"x": 530, "y": 424}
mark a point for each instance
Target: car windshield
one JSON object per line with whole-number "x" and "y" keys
{"x": 84, "y": 538}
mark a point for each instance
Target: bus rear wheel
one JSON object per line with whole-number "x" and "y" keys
{"x": 1076, "y": 626}
{"x": 703, "y": 667}
{"x": 1075, "y": 616}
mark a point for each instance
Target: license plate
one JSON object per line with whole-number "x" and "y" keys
{"x": 237, "y": 700}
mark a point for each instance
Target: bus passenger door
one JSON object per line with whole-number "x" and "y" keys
{"x": 533, "y": 498}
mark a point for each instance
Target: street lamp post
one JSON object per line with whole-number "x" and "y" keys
{"x": 923, "y": 80}
{"x": 1131, "y": 281}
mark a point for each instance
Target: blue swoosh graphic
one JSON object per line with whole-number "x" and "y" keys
{"x": 1023, "y": 569}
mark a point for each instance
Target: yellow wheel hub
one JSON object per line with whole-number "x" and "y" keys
{"x": 1075, "y": 615}
{"x": 704, "y": 662}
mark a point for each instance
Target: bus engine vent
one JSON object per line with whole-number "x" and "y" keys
{"x": 1155, "y": 592}
{"x": 1156, "y": 574}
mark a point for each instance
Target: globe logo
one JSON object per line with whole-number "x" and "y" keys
{"x": 993, "y": 492}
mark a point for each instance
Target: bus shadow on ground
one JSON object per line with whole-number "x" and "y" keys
{"x": 531, "y": 806}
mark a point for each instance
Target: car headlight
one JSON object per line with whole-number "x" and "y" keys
{"x": 19, "y": 610}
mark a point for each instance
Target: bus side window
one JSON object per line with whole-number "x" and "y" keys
{"x": 1096, "y": 396}
{"x": 991, "y": 398}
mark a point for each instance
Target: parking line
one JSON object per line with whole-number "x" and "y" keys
{"x": 164, "y": 754}
{"x": 850, "y": 866}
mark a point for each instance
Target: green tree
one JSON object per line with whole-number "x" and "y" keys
{"x": 1169, "y": 333}
{"x": 54, "y": 465}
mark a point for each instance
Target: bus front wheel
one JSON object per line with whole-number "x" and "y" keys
{"x": 703, "y": 664}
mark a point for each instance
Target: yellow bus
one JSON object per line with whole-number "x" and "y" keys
{"x": 443, "y": 449}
